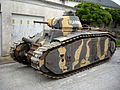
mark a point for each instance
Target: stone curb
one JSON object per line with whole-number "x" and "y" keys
{"x": 6, "y": 60}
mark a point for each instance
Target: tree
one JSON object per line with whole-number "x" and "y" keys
{"x": 93, "y": 14}
{"x": 115, "y": 16}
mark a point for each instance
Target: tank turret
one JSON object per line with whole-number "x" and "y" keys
{"x": 67, "y": 23}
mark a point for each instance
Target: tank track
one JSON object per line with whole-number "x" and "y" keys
{"x": 49, "y": 75}
{"x": 13, "y": 48}
{"x": 55, "y": 44}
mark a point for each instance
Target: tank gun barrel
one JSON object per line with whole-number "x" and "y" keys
{"x": 27, "y": 40}
{"x": 41, "y": 22}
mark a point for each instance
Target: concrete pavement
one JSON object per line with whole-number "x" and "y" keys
{"x": 16, "y": 76}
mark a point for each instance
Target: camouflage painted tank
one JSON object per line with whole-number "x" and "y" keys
{"x": 66, "y": 48}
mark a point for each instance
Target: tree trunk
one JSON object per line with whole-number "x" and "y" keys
{"x": 115, "y": 25}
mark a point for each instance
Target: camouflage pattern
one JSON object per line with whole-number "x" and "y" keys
{"x": 67, "y": 24}
{"x": 77, "y": 54}
{"x": 65, "y": 48}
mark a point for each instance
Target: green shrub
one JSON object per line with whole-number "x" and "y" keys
{"x": 118, "y": 42}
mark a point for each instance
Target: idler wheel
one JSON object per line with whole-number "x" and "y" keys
{"x": 20, "y": 53}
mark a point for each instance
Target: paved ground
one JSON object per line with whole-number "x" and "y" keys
{"x": 104, "y": 77}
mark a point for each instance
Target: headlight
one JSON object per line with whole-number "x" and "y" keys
{"x": 36, "y": 55}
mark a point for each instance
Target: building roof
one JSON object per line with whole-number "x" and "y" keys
{"x": 106, "y": 3}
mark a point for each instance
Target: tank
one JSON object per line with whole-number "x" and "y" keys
{"x": 67, "y": 48}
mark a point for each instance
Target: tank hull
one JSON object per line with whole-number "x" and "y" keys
{"x": 65, "y": 55}
{"x": 73, "y": 52}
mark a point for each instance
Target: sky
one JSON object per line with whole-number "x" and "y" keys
{"x": 116, "y": 1}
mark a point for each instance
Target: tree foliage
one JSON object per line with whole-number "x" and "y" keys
{"x": 93, "y": 14}
{"x": 115, "y": 16}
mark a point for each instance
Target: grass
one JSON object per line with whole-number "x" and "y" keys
{"x": 118, "y": 43}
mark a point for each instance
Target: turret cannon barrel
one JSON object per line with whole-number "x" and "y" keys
{"x": 41, "y": 22}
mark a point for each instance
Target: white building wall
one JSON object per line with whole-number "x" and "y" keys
{"x": 0, "y": 36}
{"x": 34, "y": 8}
{"x": 6, "y": 27}
{"x": 67, "y": 2}
{"x": 56, "y": 1}
{"x": 71, "y": 3}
